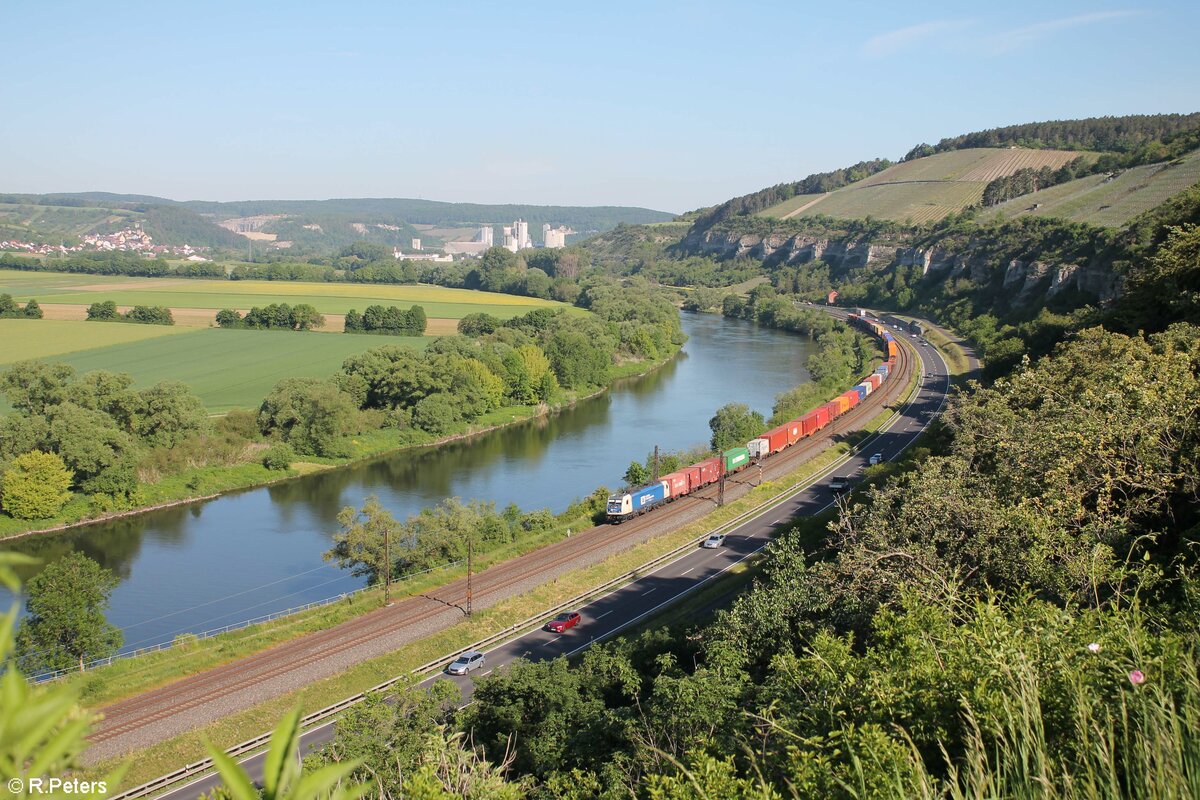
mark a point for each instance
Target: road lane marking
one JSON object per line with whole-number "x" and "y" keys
{"x": 605, "y": 614}
{"x": 655, "y": 589}
{"x": 685, "y": 573}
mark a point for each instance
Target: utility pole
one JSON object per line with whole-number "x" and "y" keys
{"x": 387, "y": 565}
{"x": 760, "y": 470}
{"x": 470, "y": 570}
{"x": 721, "y": 486}
{"x": 655, "y": 477}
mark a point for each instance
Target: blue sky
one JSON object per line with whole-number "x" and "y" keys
{"x": 670, "y": 106}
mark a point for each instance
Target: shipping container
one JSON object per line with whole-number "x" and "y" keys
{"x": 863, "y": 390}
{"x": 735, "y": 459}
{"x": 677, "y": 484}
{"x": 873, "y": 381}
{"x": 774, "y": 440}
{"x": 851, "y": 397}
{"x": 810, "y": 423}
{"x": 824, "y": 416}
{"x": 710, "y": 470}
{"x": 892, "y": 349}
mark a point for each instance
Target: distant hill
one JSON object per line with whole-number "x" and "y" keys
{"x": 319, "y": 226}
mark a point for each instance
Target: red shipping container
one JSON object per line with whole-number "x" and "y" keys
{"x": 778, "y": 438}
{"x": 677, "y": 483}
{"x": 824, "y": 416}
{"x": 693, "y": 476}
{"x": 874, "y": 380}
{"x": 710, "y": 470}
{"x": 851, "y": 398}
{"x": 809, "y": 423}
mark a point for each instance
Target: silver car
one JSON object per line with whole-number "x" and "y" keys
{"x": 472, "y": 659}
{"x": 714, "y": 541}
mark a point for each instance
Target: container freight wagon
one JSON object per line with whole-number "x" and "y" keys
{"x": 677, "y": 484}
{"x": 851, "y": 398}
{"x": 625, "y": 506}
{"x": 775, "y": 439}
{"x": 735, "y": 459}
{"x": 863, "y": 390}
{"x": 873, "y": 381}
{"x": 813, "y": 421}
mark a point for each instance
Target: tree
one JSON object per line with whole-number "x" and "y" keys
{"x": 478, "y": 324}
{"x": 229, "y": 318}
{"x": 306, "y": 317}
{"x": 105, "y": 310}
{"x": 364, "y": 542}
{"x": 33, "y": 386}
{"x": 435, "y": 413}
{"x": 637, "y": 474}
{"x": 311, "y": 414}
{"x": 65, "y": 626}
{"x": 33, "y": 310}
{"x": 35, "y": 486}
{"x": 45, "y": 729}
{"x": 88, "y": 441}
{"x": 578, "y": 359}
{"x": 734, "y": 424}
{"x": 416, "y": 321}
{"x": 167, "y": 413}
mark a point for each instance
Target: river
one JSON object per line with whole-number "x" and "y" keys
{"x": 202, "y": 566}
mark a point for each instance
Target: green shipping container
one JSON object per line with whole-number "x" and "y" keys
{"x": 735, "y": 459}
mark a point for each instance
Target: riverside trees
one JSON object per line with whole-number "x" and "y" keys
{"x": 66, "y": 625}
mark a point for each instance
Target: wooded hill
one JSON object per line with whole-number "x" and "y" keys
{"x": 314, "y": 226}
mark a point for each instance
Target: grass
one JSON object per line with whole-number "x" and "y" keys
{"x": 781, "y": 210}
{"x": 332, "y": 298}
{"x": 925, "y": 189}
{"x": 34, "y": 338}
{"x": 186, "y": 748}
{"x": 225, "y": 368}
{"x": 1112, "y": 203}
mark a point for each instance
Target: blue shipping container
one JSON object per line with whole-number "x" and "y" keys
{"x": 649, "y": 496}
{"x": 862, "y": 391}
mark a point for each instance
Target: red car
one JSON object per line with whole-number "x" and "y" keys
{"x": 564, "y": 621}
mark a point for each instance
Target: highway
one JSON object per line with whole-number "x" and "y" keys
{"x": 628, "y": 605}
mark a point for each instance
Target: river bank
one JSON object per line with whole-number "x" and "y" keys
{"x": 202, "y": 484}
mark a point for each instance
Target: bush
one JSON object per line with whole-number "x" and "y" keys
{"x": 279, "y": 456}
{"x": 35, "y": 486}
{"x": 104, "y": 311}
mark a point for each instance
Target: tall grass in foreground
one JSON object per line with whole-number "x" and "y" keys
{"x": 1144, "y": 746}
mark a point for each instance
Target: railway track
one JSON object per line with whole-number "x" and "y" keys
{"x": 156, "y": 705}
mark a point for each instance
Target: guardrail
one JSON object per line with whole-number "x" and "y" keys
{"x": 250, "y": 745}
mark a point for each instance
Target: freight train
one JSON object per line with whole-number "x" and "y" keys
{"x": 687, "y": 480}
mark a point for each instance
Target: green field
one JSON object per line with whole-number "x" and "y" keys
{"x": 225, "y": 368}
{"x": 31, "y": 338}
{"x": 1099, "y": 201}
{"x": 332, "y": 298}
{"x": 924, "y": 189}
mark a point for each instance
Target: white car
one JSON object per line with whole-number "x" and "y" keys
{"x": 876, "y": 459}
{"x": 714, "y": 541}
{"x": 472, "y": 659}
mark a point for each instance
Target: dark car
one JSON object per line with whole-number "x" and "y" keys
{"x": 839, "y": 484}
{"x": 564, "y": 621}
